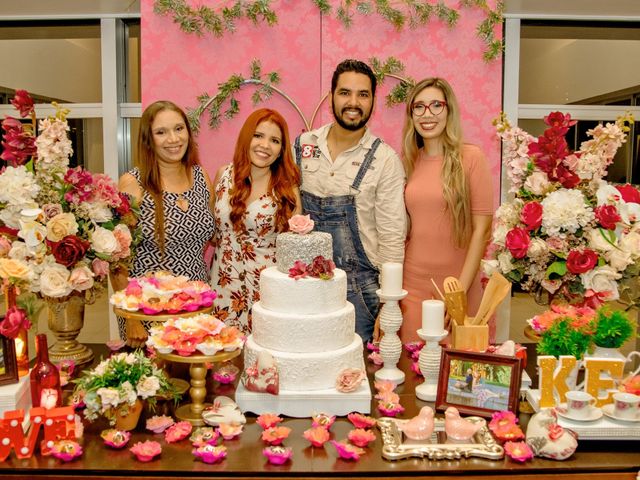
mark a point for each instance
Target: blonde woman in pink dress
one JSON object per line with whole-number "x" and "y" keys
{"x": 449, "y": 200}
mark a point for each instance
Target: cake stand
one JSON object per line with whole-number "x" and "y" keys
{"x": 192, "y": 412}
{"x": 158, "y": 318}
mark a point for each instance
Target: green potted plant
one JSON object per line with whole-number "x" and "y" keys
{"x": 612, "y": 329}
{"x": 561, "y": 338}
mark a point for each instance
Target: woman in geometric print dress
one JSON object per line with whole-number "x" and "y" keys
{"x": 176, "y": 202}
{"x": 254, "y": 198}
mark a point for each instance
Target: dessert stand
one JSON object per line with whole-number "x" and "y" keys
{"x": 158, "y": 318}
{"x": 192, "y": 412}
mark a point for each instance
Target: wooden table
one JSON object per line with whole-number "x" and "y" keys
{"x": 619, "y": 460}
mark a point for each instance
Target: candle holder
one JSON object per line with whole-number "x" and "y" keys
{"x": 429, "y": 361}
{"x": 390, "y": 345}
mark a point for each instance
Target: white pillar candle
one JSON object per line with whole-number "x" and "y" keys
{"x": 432, "y": 317}
{"x": 391, "y": 281}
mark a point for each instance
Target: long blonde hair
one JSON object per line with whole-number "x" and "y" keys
{"x": 455, "y": 187}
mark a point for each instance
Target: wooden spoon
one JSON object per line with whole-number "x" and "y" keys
{"x": 497, "y": 289}
{"x": 455, "y": 299}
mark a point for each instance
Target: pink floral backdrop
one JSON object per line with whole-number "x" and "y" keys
{"x": 304, "y": 48}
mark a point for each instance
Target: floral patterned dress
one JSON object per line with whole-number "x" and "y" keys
{"x": 239, "y": 258}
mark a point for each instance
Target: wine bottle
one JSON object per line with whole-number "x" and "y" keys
{"x": 45, "y": 378}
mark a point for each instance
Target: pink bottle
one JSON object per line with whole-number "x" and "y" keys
{"x": 45, "y": 378}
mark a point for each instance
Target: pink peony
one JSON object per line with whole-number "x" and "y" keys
{"x": 350, "y": 379}
{"x": 301, "y": 224}
{"x": 518, "y": 451}
{"x": 146, "y": 451}
{"x": 360, "y": 437}
{"x": 347, "y": 451}
{"x": 277, "y": 455}
{"x": 322, "y": 268}
{"x": 268, "y": 420}
{"x": 317, "y": 436}
{"x": 361, "y": 421}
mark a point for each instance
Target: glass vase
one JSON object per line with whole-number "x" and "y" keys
{"x": 45, "y": 378}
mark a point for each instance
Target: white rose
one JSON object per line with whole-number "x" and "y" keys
{"x": 537, "y": 183}
{"x": 128, "y": 394}
{"x": 81, "y": 278}
{"x": 504, "y": 260}
{"x": 19, "y": 250}
{"x": 33, "y": 233}
{"x": 60, "y": 226}
{"x": 509, "y": 212}
{"x": 489, "y": 266}
{"x": 99, "y": 213}
{"x": 54, "y": 281}
{"x": 103, "y": 241}
{"x": 500, "y": 234}
{"x": 602, "y": 279}
{"x": 631, "y": 243}
{"x": 619, "y": 259}
{"x": 148, "y": 386}
{"x": 109, "y": 397}
{"x": 537, "y": 248}
{"x": 597, "y": 241}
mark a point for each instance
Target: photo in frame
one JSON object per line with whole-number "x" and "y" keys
{"x": 478, "y": 383}
{"x": 8, "y": 363}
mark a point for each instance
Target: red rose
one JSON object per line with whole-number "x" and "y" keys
{"x": 531, "y": 215}
{"x": 517, "y": 241}
{"x": 70, "y": 250}
{"x": 14, "y": 320}
{"x": 630, "y": 194}
{"x": 581, "y": 261}
{"x": 608, "y": 216}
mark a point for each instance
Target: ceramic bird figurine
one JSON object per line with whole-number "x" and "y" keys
{"x": 456, "y": 427}
{"x": 421, "y": 426}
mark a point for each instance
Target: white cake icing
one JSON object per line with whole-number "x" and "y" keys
{"x": 309, "y": 371}
{"x": 293, "y": 332}
{"x": 292, "y": 247}
{"x": 281, "y": 293}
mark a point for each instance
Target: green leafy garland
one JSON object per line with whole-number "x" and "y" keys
{"x": 392, "y": 68}
{"x": 416, "y": 13}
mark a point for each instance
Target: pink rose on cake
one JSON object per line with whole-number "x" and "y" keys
{"x": 301, "y": 224}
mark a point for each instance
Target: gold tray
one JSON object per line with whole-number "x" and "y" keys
{"x": 397, "y": 447}
{"x": 159, "y": 317}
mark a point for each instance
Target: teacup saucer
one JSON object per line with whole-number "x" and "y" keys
{"x": 608, "y": 411}
{"x": 592, "y": 415}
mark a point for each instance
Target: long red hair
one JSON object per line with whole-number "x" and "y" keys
{"x": 285, "y": 176}
{"x": 147, "y": 163}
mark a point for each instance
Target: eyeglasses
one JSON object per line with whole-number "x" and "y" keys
{"x": 435, "y": 107}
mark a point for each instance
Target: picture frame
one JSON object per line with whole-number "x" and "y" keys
{"x": 478, "y": 383}
{"x": 8, "y": 362}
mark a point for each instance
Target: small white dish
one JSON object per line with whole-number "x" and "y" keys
{"x": 608, "y": 411}
{"x": 593, "y": 415}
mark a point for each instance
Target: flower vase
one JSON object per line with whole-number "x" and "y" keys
{"x": 21, "y": 341}
{"x": 127, "y": 416}
{"x": 66, "y": 319}
{"x": 605, "y": 352}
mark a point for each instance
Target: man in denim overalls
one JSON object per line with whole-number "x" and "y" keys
{"x": 353, "y": 188}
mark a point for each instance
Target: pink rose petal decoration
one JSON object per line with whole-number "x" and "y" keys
{"x": 210, "y": 453}
{"x": 317, "y": 436}
{"x": 268, "y": 420}
{"x": 323, "y": 420}
{"x": 115, "y": 438}
{"x": 390, "y": 409}
{"x": 66, "y": 450}
{"x": 518, "y": 451}
{"x": 361, "y": 421}
{"x": 347, "y": 451}
{"x": 229, "y": 431}
{"x": 178, "y": 431}
{"x": 376, "y": 358}
{"x": 360, "y": 437}
{"x": 159, "y": 423}
{"x": 277, "y": 455}
{"x": 275, "y": 435}
{"x": 146, "y": 451}
{"x": 204, "y": 436}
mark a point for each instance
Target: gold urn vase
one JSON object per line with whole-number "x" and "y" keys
{"x": 66, "y": 319}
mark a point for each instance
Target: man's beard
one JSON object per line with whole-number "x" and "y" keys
{"x": 350, "y": 126}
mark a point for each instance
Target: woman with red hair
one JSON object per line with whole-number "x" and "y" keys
{"x": 254, "y": 198}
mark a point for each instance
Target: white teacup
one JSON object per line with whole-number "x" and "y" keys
{"x": 579, "y": 403}
{"x": 625, "y": 405}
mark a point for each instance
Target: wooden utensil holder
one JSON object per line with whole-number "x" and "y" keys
{"x": 470, "y": 337}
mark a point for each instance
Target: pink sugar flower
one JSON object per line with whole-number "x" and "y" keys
{"x": 66, "y": 450}
{"x": 411, "y": 347}
{"x": 210, "y": 453}
{"x": 178, "y": 431}
{"x": 504, "y": 426}
{"x": 382, "y": 386}
{"x": 275, "y": 435}
{"x": 322, "y": 420}
{"x": 277, "y": 455}
{"x": 204, "y": 436}
{"x": 376, "y": 358}
{"x": 388, "y": 397}
{"x": 159, "y": 423}
{"x": 360, "y": 437}
{"x": 146, "y": 451}
{"x": 347, "y": 451}
{"x": 226, "y": 374}
{"x": 317, "y": 436}
{"x": 268, "y": 420}
{"x": 372, "y": 347}
{"x": 390, "y": 409}
{"x": 115, "y": 438}
{"x": 229, "y": 431}
{"x": 361, "y": 421}
{"x": 415, "y": 368}
{"x": 115, "y": 345}
{"x": 518, "y": 451}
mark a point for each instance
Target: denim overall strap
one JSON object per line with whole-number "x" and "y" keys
{"x": 337, "y": 216}
{"x": 298, "y": 151}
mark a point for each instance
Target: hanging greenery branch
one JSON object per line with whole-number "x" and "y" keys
{"x": 201, "y": 19}
{"x": 392, "y": 68}
{"x": 486, "y": 29}
{"x": 227, "y": 90}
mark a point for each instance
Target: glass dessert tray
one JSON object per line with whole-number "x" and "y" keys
{"x": 396, "y": 446}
